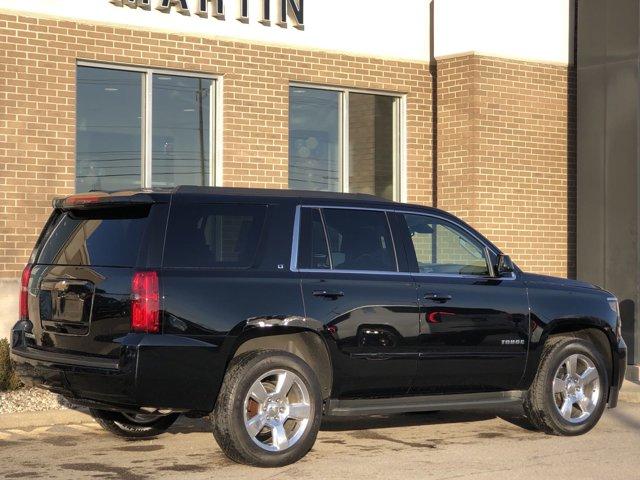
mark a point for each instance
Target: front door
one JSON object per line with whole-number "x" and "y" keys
{"x": 474, "y": 327}
{"x": 351, "y": 283}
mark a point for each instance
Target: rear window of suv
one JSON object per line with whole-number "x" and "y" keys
{"x": 109, "y": 238}
{"x": 214, "y": 236}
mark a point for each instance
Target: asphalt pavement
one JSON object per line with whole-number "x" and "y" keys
{"x": 443, "y": 445}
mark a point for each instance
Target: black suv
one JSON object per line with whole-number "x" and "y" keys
{"x": 267, "y": 309}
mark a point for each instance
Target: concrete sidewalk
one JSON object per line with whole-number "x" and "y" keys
{"x": 630, "y": 392}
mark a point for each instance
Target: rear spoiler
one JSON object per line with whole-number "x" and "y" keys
{"x": 102, "y": 200}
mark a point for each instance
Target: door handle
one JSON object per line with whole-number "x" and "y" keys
{"x": 328, "y": 294}
{"x": 436, "y": 297}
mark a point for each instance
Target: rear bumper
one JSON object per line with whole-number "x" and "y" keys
{"x": 152, "y": 371}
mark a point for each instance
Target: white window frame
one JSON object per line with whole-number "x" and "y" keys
{"x": 400, "y": 147}
{"x": 215, "y": 121}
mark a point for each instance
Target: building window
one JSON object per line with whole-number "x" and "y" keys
{"x": 109, "y": 129}
{"x": 143, "y": 128}
{"x": 314, "y": 139}
{"x": 344, "y": 141}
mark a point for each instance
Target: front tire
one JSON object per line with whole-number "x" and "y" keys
{"x": 133, "y": 427}
{"x": 269, "y": 409}
{"x": 569, "y": 393}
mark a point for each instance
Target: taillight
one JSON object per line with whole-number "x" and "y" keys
{"x": 145, "y": 302}
{"x": 24, "y": 293}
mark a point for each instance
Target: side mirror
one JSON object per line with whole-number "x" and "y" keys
{"x": 505, "y": 265}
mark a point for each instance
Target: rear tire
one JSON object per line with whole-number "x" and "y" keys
{"x": 569, "y": 393}
{"x": 134, "y": 427}
{"x": 269, "y": 409}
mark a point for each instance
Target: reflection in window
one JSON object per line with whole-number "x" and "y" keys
{"x": 314, "y": 139}
{"x": 90, "y": 241}
{"x": 359, "y": 240}
{"x": 372, "y": 144}
{"x": 214, "y": 236}
{"x": 181, "y": 125}
{"x": 111, "y": 112}
{"x": 313, "y": 251}
{"x": 441, "y": 248}
{"x": 109, "y": 129}
{"x": 317, "y": 134}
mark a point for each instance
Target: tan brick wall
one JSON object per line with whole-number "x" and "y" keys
{"x": 37, "y": 109}
{"x": 506, "y": 156}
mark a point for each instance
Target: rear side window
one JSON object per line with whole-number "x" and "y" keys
{"x": 214, "y": 236}
{"x": 357, "y": 240}
{"x": 314, "y": 253}
{"x": 109, "y": 238}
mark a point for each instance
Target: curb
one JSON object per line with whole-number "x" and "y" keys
{"x": 47, "y": 418}
{"x": 630, "y": 392}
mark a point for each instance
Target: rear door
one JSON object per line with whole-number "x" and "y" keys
{"x": 351, "y": 283}
{"x": 80, "y": 284}
{"x": 223, "y": 268}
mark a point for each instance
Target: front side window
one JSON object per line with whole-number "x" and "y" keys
{"x": 214, "y": 236}
{"x": 442, "y": 248}
{"x": 356, "y": 240}
{"x": 142, "y": 128}
{"x": 322, "y": 122}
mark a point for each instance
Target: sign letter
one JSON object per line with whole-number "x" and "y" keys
{"x": 296, "y": 9}
{"x": 181, "y": 6}
{"x": 132, "y": 3}
{"x": 203, "y": 7}
{"x": 244, "y": 11}
{"x": 266, "y": 12}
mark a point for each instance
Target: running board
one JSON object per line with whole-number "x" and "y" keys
{"x": 386, "y": 406}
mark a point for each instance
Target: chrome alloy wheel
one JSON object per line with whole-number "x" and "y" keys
{"x": 576, "y": 388}
{"x": 277, "y": 410}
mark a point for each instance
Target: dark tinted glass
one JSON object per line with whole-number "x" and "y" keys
{"x": 314, "y": 139}
{"x": 109, "y": 129}
{"x": 181, "y": 116}
{"x": 359, "y": 240}
{"x": 313, "y": 251}
{"x": 109, "y": 238}
{"x": 214, "y": 236}
{"x": 372, "y": 144}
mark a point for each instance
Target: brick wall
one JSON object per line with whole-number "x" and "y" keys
{"x": 506, "y": 156}
{"x": 37, "y": 109}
